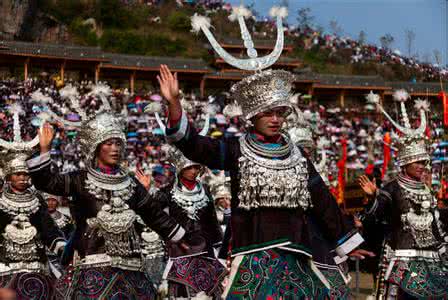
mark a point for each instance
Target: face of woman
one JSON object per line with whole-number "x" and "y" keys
{"x": 191, "y": 173}
{"x": 109, "y": 153}
{"x": 416, "y": 170}
{"x": 52, "y": 204}
{"x": 19, "y": 181}
{"x": 269, "y": 123}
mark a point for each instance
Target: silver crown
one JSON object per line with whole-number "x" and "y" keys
{"x": 412, "y": 145}
{"x": 102, "y": 127}
{"x": 263, "y": 91}
{"x": 13, "y": 162}
{"x": 15, "y": 153}
{"x": 96, "y": 128}
{"x": 177, "y": 159}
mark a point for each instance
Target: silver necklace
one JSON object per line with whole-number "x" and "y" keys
{"x": 190, "y": 201}
{"x": 273, "y": 181}
{"x": 108, "y": 187}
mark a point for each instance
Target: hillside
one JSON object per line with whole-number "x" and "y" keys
{"x": 135, "y": 27}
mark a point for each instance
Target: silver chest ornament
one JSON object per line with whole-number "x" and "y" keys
{"x": 20, "y": 241}
{"x": 115, "y": 220}
{"x": 419, "y": 219}
{"x": 267, "y": 182}
{"x": 190, "y": 201}
{"x": 60, "y": 219}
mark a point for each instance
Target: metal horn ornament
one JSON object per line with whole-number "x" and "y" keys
{"x": 254, "y": 63}
{"x": 18, "y": 144}
{"x": 401, "y": 96}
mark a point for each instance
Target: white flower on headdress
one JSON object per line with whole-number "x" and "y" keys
{"x": 101, "y": 88}
{"x": 322, "y": 143}
{"x": 38, "y": 97}
{"x": 198, "y": 21}
{"x": 277, "y": 11}
{"x": 421, "y": 104}
{"x": 153, "y": 107}
{"x": 44, "y": 116}
{"x": 294, "y": 99}
{"x": 373, "y": 98}
{"x": 401, "y": 95}
{"x": 16, "y": 108}
{"x": 186, "y": 105}
{"x": 232, "y": 110}
{"x": 239, "y": 11}
{"x": 211, "y": 109}
{"x": 69, "y": 91}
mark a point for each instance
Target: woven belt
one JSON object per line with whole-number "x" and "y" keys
{"x": 416, "y": 253}
{"x": 104, "y": 260}
{"x": 18, "y": 267}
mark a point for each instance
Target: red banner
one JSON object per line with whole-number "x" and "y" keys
{"x": 341, "y": 172}
{"x": 442, "y": 96}
{"x": 386, "y": 153}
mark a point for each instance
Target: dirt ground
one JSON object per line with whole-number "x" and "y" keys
{"x": 365, "y": 285}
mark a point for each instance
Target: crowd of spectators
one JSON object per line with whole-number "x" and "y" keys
{"x": 361, "y": 127}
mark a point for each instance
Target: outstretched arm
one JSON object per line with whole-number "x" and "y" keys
{"x": 40, "y": 167}
{"x": 215, "y": 154}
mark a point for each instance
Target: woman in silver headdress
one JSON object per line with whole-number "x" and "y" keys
{"x": 26, "y": 227}
{"x": 273, "y": 188}
{"x": 106, "y": 204}
{"x": 191, "y": 204}
{"x": 414, "y": 256}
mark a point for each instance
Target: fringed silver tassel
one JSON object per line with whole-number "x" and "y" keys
{"x": 266, "y": 187}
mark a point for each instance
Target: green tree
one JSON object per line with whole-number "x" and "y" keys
{"x": 362, "y": 37}
{"x": 386, "y": 41}
{"x": 179, "y": 21}
{"x": 113, "y": 14}
{"x": 304, "y": 18}
{"x": 83, "y": 33}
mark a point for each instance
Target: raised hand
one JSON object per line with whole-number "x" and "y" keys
{"x": 46, "y": 135}
{"x": 144, "y": 179}
{"x": 367, "y": 185}
{"x": 169, "y": 85}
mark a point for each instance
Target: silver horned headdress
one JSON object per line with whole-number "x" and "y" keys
{"x": 97, "y": 127}
{"x": 15, "y": 153}
{"x": 254, "y": 63}
{"x": 177, "y": 159}
{"x": 412, "y": 145}
{"x": 265, "y": 89}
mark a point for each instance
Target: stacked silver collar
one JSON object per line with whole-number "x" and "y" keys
{"x": 272, "y": 177}
{"x": 15, "y": 204}
{"x": 190, "y": 201}
{"x": 115, "y": 220}
{"x": 419, "y": 219}
{"x": 109, "y": 187}
{"x": 20, "y": 235}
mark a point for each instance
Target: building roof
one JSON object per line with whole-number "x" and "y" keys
{"x": 154, "y": 62}
{"x": 51, "y": 50}
{"x": 343, "y": 80}
{"x": 417, "y": 87}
